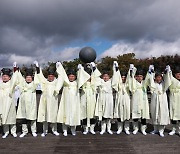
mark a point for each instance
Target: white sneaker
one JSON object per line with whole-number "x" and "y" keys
{"x": 85, "y": 132}
{"x": 65, "y": 133}
{"x": 119, "y": 132}
{"x": 161, "y": 134}
{"x": 127, "y": 132}
{"x": 154, "y": 132}
{"x": 135, "y": 131}
{"x": 5, "y": 135}
{"x": 74, "y": 133}
{"x": 92, "y": 129}
{"x": 102, "y": 132}
{"x": 93, "y": 132}
{"x": 144, "y": 133}
{"x": 43, "y": 134}
{"x": 56, "y": 133}
{"x": 22, "y": 135}
{"x": 110, "y": 132}
{"x": 172, "y": 132}
{"x": 34, "y": 134}
{"x": 14, "y": 135}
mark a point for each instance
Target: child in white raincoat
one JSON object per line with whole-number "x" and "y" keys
{"x": 48, "y": 106}
{"x": 159, "y": 103}
{"x": 7, "y": 106}
{"x": 69, "y": 113}
{"x": 105, "y": 104}
{"x": 27, "y": 108}
{"x": 88, "y": 99}
{"x": 173, "y": 82}
{"x": 122, "y": 101}
{"x": 140, "y": 104}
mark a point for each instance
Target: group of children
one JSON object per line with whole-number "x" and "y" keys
{"x": 87, "y": 97}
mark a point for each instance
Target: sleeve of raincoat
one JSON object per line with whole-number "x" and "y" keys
{"x": 95, "y": 79}
{"x": 152, "y": 85}
{"x": 36, "y": 81}
{"x": 62, "y": 74}
{"x": 62, "y": 78}
{"x": 82, "y": 77}
{"x": 116, "y": 79}
{"x": 21, "y": 79}
{"x": 168, "y": 79}
{"x": 13, "y": 82}
{"x": 41, "y": 78}
{"x": 131, "y": 81}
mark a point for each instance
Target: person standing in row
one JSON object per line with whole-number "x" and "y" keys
{"x": 122, "y": 101}
{"x": 69, "y": 113}
{"x": 159, "y": 103}
{"x": 7, "y": 106}
{"x": 105, "y": 103}
{"x": 27, "y": 108}
{"x": 48, "y": 106}
{"x": 174, "y": 98}
{"x": 88, "y": 99}
{"x": 140, "y": 104}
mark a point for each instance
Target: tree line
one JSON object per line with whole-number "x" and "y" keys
{"x": 106, "y": 63}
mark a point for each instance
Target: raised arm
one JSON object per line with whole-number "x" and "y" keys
{"x": 21, "y": 79}
{"x": 151, "y": 74}
{"x": 82, "y": 76}
{"x": 14, "y": 79}
{"x": 146, "y": 81}
{"x": 40, "y": 77}
{"x": 95, "y": 72}
{"x": 116, "y": 78}
{"x": 131, "y": 81}
{"x": 62, "y": 78}
{"x": 95, "y": 76}
{"x": 168, "y": 78}
{"x": 61, "y": 73}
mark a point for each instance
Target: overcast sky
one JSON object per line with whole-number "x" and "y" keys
{"x": 51, "y": 30}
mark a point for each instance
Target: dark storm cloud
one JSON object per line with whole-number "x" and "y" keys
{"x": 32, "y": 27}
{"x": 155, "y": 20}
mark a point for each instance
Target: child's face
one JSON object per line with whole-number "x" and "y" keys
{"x": 139, "y": 78}
{"x": 106, "y": 77}
{"x": 28, "y": 79}
{"x": 123, "y": 79}
{"x": 5, "y": 78}
{"x": 71, "y": 77}
{"x": 177, "y": 76}
{"x": 51, "y": 78}
{"x": 158, "y": 79}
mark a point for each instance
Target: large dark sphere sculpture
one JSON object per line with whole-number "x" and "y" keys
{"x": 87, "y": 55}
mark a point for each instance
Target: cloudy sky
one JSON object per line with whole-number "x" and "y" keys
{"x": 51, "y": 30}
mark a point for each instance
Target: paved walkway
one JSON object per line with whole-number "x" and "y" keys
{"x": 92, "y": 144}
